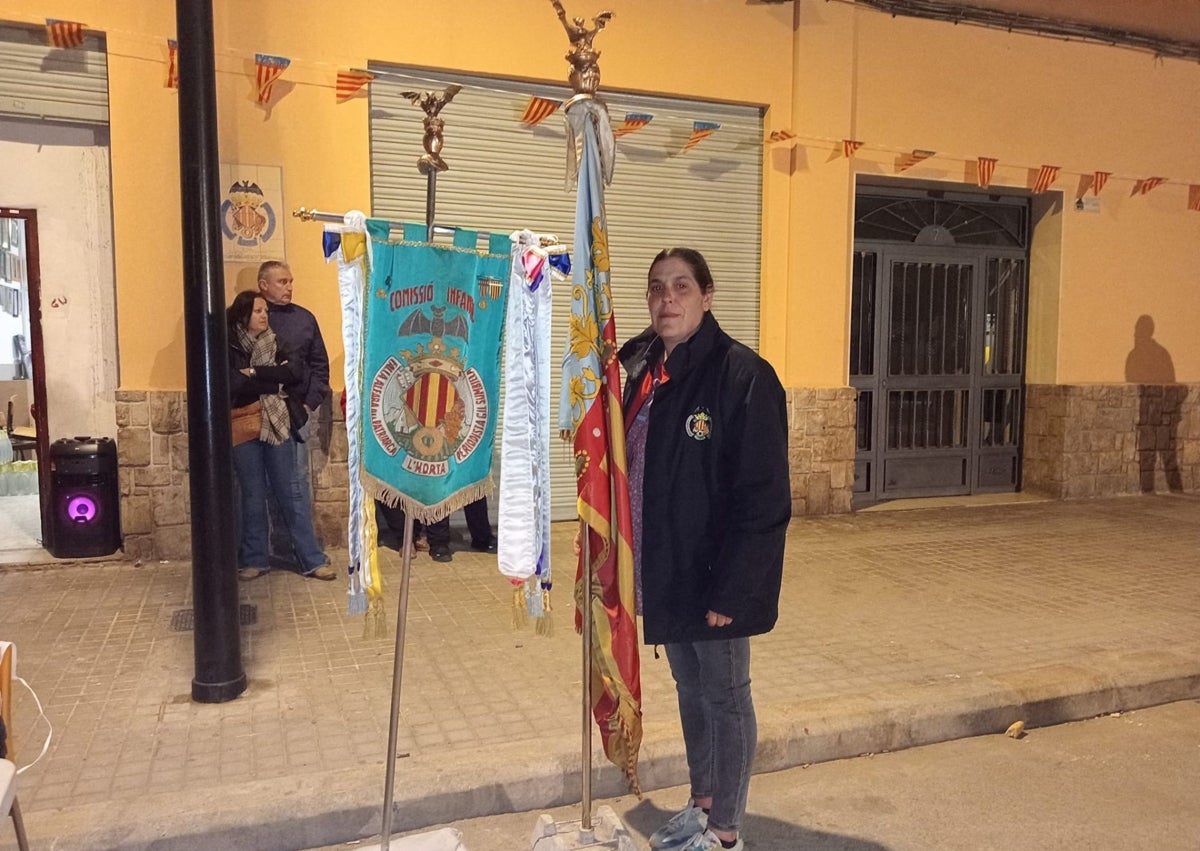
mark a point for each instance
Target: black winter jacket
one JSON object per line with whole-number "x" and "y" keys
{"x": 716, "y": 496}
{"x": 245, "y": 390}
{"x": 296, "y": 329}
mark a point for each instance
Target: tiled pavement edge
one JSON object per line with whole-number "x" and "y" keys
{"x": 897, "y": 629}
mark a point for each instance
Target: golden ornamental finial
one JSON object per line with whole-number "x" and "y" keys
{"x": 431, "y": 103}
{"x": 584, "y": 59}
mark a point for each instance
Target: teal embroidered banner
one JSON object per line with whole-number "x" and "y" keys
{"x": 431, "y": 368}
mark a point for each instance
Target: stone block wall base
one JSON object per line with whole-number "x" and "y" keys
{"x": 821, "y": 449}
{"x": 152, "y": 459}
{"x": 1092, "y": 440}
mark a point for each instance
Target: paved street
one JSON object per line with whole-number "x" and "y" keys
{"x": 898, "y": 629}
{"x": 1115, "y": 783}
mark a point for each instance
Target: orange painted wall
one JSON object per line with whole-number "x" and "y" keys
{"x": 689, "y": 47}
{"x": 898, "y": 84}
{"x": 826, "y": 71}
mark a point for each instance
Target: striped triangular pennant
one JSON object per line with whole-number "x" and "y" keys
{"x": 1099, "y": 178}
{"x": 538, "y": 110}
{"x": 781, "y": 136}
{"x": 985, "y": 167}
{"x": 1047, "y": 174}
{"x": 350, "y": 83}
{"x": 849, "y": 146}
{"x": 701, "y": 130}
{"x": 1148, "y": 183}
{"x": 172, "y": 80}
{"x": 269, "y": 69}
{"x": 918, "y": 155}
{"x": 1194, "y": 197}
{"x": 64, "y": 34}
{"x": 634, "y": 121}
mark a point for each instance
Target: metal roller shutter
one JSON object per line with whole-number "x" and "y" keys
{"x": 505, "y": 176}
{"x": 39, "y": 81}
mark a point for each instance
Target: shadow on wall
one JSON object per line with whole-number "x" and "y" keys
{"x": 1160, "y": 401}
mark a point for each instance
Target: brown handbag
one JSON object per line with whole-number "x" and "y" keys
{"x": 247, "y": 422}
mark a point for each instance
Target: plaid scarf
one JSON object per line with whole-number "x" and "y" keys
{"x": 276, "y": 424}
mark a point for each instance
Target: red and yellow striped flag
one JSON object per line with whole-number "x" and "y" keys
{"x": 633, "y": 121}
{"x": 269, "y": 69}
{"x": 1047, "y": 174}
{"x": 1148, "y": 183}
{"x": 350, "y": 83}
{"x": 907, "y": 161}
{"x": 849, "y": 146}
{"x": 538, "y": 110}
{"x": 701, "y": 130}
{"x": 985, "y": 167}
{"x": 64, "y": 34}
{"x": 1194, "y": 197}
{"x": 1099, "y": 178}
{"x": 592, "y": 391}
{"x": 172, "y": 80}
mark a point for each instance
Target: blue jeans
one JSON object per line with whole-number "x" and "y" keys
{"x": 261, "y": 466}
{"x": 720, "y": 731}
{"x": 279, "y": 545}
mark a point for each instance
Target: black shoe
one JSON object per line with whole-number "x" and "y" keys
{"x": 440, "y": 552}
{"x": 488, "y": 547}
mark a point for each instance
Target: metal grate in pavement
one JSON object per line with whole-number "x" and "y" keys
{"x": 184, "y": 620}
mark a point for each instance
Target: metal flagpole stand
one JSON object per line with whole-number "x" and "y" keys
{"x": 429, "y": 164}
{"x": 446, "y": 839}
{"x": 608, "y": 831}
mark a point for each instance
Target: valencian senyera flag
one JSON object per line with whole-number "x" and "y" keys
{"x": 347, "y": 241}
{"x": 268, "y": 69}
{"x": 432, "y": 315}
{"x": 591, "y": 412}
{"x": 172, "y": 80}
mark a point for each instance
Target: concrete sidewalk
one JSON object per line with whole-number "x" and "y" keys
{"x": 898, "y": 628}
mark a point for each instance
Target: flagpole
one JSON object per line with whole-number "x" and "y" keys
{"x": 429, "y": 164}
{"x": 586, "y": 630}
{"x": 397, "y": 678}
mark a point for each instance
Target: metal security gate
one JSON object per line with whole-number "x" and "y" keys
{"x": 937, "y": 342}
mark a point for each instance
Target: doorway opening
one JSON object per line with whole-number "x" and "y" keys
{"x": 937, "y": 341}
{"x": 24, "y": 472}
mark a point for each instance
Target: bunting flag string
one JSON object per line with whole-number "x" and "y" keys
{"x": 985, "y": 168}
{"x": 71, "y": 34}
{"x": 538, "y": 110}
{"x": 1194, "y": 197}
{"x": 1047, "y": 174}
{"x": 270, "y": 68}
{"x": 849, "y": 146}
{"x": 633, "y": 122}
{"x": 64, "y": 34}
{"x": 701, "y": 130}
{"x": 1147, "y": 184}
{"x": 350, "y": 83}
{"x": 172, "y": 80}
{"x": 909, "y": 160}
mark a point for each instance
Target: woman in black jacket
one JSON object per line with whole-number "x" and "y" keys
{"x": 263, "y": 453}
{"x": 706, "y": 436}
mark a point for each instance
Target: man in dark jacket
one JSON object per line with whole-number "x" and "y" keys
{"x": 706, "y": 433}
{"x": 298, "y": 332}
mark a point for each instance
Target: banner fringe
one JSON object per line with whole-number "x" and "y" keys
{"x": 545, "y": 624}
{"x": 427, "y": 514}
{"x": 520, "y": 618}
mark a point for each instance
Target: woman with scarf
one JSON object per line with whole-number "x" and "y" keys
{"x": 706, "y": 436}
{"x": 263, "y": 453}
